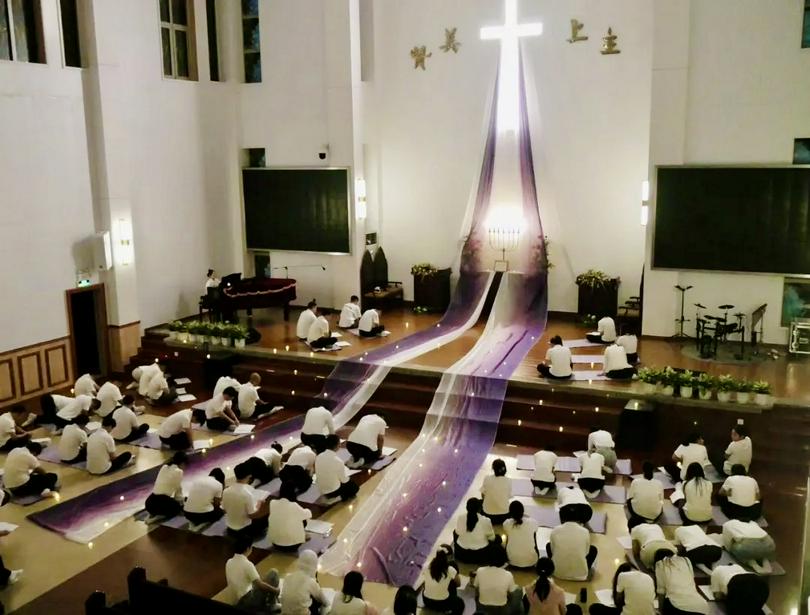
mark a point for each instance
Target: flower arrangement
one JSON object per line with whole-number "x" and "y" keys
{"x": 589, "y": 320}
{"x": 686, "y": 383}
{"x": 760, "y": 387}
{"x": 594, "y": 278}
{"x": 423, "y": 270}
{"x": 706, "y": 385}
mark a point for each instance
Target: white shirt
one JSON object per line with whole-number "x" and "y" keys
{"x": 109, "y": 395}
{"x": 736, "y": 530}
{"x": 60, "y": 401}
{"x": 592, "y": 465}
{"x": 318, "y": 329}
{"x": 201, "y": 495}
{"x": 639, "y": 592}
{"x": 691, "y": 453}
{"x": 303, "y": 456}
{"x": 223, "y": 382}
{"x": 157, "y": 386}
{"x": 607, "y": 328}
{"x": 271, "y": 457}
{"x": 318, "y": 421}
{"x": 211, "y": 283}
{"x": 570, "y": 543}
{"x": 698, "y": 496}
{"x": 480, "y": 536}
{"x": 741, "y": 490}
{"x": 85, "y": 385}
{"x": 7, "y": 428}
{"x": 675, "y": 580}
{"x": 496, "y": 491}
{"x": 740, "y": 452}
{"x": 692, "y": 537}
{"x": 216, "y": 406}
{"x": 629, "y": 343}
{"x": 650, "y": 539}
{"x": 368, "y": 430}
{"x": 305, "y": 321}
{"x": 169, "y": 482}
{"x": 240, "y": 574}
{"x": 238, "y": 502}
{"x": 330, "y": 472}
{"x": 71, "y": 442}
{"x": 125, "y": 422}
{"x": 146, "y": 373}
{"x": 558, "y": 358}
{"x": 571, "y": 496}
{"x": 721, "y": 575}
{"x": 20, "y": 462}
{"x": 647, "y": 496}
{"x": 369, "y": 320}
{"x": 175, "y": 423}
{"x": 615, "y": 358}
{"x": 78, "y": 405}
{"x": 493, "y": 585}
{"x": 439, "y": 590}
{"x": 100, "y": 445}
{"x": 287, "y": 523}
{"x": 544, "y": 462}
{"x": 248, "y": 396}
{"x": 297, "y": 593}
{"x": 349, "y": 314}
{"x": 600, "y": 439}
{"x": 340, "y": 606}
{"x": 521, "y": 546}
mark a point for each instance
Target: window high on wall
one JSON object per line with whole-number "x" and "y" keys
{"x": 251, "y": 42}
{"x": 806, "y": 25}
{"x": 71, "y": 41}
{"x": 177, "y": 38}
{"x": 21, "y": 31}
{"x": 213, "y": 40}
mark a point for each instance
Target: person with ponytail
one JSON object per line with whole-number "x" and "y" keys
{"x": 474, "y": 540}
{"x": 496, "y": 492}
{"x": 544, "y": 597}
{"x": 349, "y": 601}
{"x": 633, "y": 593}
{"x": 441, "y": 583}
{"x": 698, "y": 493}
{"x": 645, "y": 499}
{"x": 521, "y": 544}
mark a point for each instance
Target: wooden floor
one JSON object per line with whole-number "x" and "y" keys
{"x": 60, "y": 572}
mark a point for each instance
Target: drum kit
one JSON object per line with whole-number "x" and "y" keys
{"x": 711, "y": 330}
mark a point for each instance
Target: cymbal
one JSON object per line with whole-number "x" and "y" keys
{"x": 726, "y": 307}
{"x": 739, "y": 315}
{"x": 700, "y": 305}
{"x": 716, "y": 318}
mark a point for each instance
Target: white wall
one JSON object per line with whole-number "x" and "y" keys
{"x": 590, "y": 132}
{"x": 729, "y": 86}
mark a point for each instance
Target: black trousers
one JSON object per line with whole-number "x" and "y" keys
{"x": 256, "y": 529}
{"x": 315, "y": 441}
{"x": 632, "y": 358}
{"x": 346, "y": 491}
{"x": 177, "y": 442}
{"x": 375, "y": 331}
{"x": 543, "y": 485}
{"x": 596, "y": 339}
{"x": 496, "y": 519}
{"x": 217, "y": 423}
{"x": 545, "y": 371}
{"x": 452, "y": 605}
{"x": 601, "y": 609}
{"x": 15, "y": 442}
{"x": 82, "y": 456}
{"x": 260, "y": 471}
{"x": 163, "y": 506}
{"x": 581, "y": 513}
{"x": 166, "y": 398}
{"x": 36, "y": 484}
{"x": 119, "y": 462}
{"x": 621, "y": 374}
{"x": 590, "y": 558}
{"x": 260, "y": 409}
{"x": 296, "y": 476}
{"x": 207, "y": 517}
{"x": 361, "y": 451}
{"x": 706, "y": 554}
{"x": 637, "y": 519}
{"x": 591, "y": 484}
{"x": 743, "y": 513}
{"x": 493, "y": 554}
{"x": 324, "y": 342}
{"x": 135, "y": 434}
{"x": 5, "y": 573}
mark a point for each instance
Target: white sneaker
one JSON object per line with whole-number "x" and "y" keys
{"x": 542, "y": 491}
{"x": 15, "y": 576}
{"x": 356, "y": 464}
{"x": 32, "y": 418}
{"x": 46, "y": 493}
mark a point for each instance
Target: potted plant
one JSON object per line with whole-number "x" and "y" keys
{"x": 182, "y": 332}
{"x": 225, "y": 333}
{"x": 598, "y": 293}
{"x": 648, "y": 376}
{"x": 686, "y": 384}
{"x": 669, "y": 379}
{"x": 198, "y": 331}
{"x": 215, "y": 333}
{"x": 762, "y": 393}
{"x": 725, "y": 386}
{"x": 705, "y": 385}
{"x": 743, "y": 389}
{"x": 173, "y": 328}
{"x": 238, "y": 334}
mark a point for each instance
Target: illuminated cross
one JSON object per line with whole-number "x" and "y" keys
{"x": 509, "y": 34}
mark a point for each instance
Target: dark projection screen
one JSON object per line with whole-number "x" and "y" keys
{"x": 297, "y": 209}
{"x": 733, "y": 219}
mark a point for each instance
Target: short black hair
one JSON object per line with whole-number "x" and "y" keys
{"x": 556, "y": 340}
{"x": 311, "y": 304}
{"x": 354, "y": 298}
{"x": 287, "y": 492}
{"x": 230, "y": 392}
{"x": 208, "y": 275}
{"x": 218, "y": 474}
{"x": 179, "y": 459}
{"x": 108, "y": 421}
{"x": 499, "y": 467}
{"x": 648, "y": 469}
{"x": 741, "y": 430}
{"x": 242, "y": 544}
{"x": 95, "y": 404}
{"x": 242, "y": 470}
{"x": 277, "y": 447}
{"x": 332, "y": 441}
{"x": 81, "y": 420}
{"x": 35, "y": 448}
{"x": 738, "y": 469}
{"x": 694, "y": 437}
{"x": 127, "y": 400}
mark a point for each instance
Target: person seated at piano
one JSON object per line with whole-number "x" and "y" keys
{"x": 320, "y": 336}
{"x": 605, "y": 332}
{"x": 305, "y": 320}
{"x": 629, "y": 341}
{"x": 350, "y": 314}
{"x": 370, "y": 324}
{"x": 211, "y": 280}
{"x": 616, "y": 366}
{"x": 558, "y": 364}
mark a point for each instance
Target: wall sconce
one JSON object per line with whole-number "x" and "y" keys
{"x": 123, "y": 244}
{"x": 645, "y": 197}
{"x": 361, "y": 209}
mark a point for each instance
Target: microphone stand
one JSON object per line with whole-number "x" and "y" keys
{"x": 680, "y": 334}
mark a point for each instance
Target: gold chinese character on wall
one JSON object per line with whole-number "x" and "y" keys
{"x": 576, "y": 28}
{"x": 419, "y": 55}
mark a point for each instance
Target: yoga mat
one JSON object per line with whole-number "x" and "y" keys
{"x": 22, "y": 501}
{"x": 51, "y": 454}
{"x": 580, "y": 343}
{"x": 564, "y": 464}
{"x": 670, "y": 515}
{"x": 713, "y": 475}
{"x": 719, "y": 518}
{"x": 588, "y": 374}
{"x": 587, "y": 359}
{"x": 550, "y": 517}
{"x": 213, "y": 432}
{"x": 386, "y": 460}
{"x": 665, "y": 479}
{"x": 610, "y": 494}
{"x": 522, "y": 487}
{"x": 150, "y": 440}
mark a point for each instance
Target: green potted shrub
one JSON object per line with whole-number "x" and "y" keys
{"x": 172, "y": 327}
{"x": 238, "y": 334}
{"x": 669, "y": 380}
{"x": 725, "y": 386}
{"x": 648, "y": 377}
{"x": 762, "y": 393}
{"x": 198, "y": 331}
{"x": 224, "y": 333}
{"x": 182, "y": 331}
{"x": 686, "y": 384}
{"x": 743, "y": 390}
{"x": 706, "y": 385}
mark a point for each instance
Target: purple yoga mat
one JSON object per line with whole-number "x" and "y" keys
{"x": 22, "y": 501}
{"x": 665, "y": 479}
{"x": 550, "y": 517}
{"x": 150, "y": 440}
{"x": 581, "y": 343}
{"x": 522, "y": 487}
{"x": 610, "y": 494}
{"x": 51, "y": 454}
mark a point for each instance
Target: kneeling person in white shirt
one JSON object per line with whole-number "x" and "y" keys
{"x": 23, "y": 475}
{"x": 166, "y": 499}
{"x": 331, "y": 475}
{"x": 605, "y": 331}
{"x": 369, "y": 324}
{"x": 573, "y": 505}
{"x": 299, "y": 469}
{"x": 739, "y": 450}
{"x": 287, "y": 521}
{"x": 645, "y": 499}
{"x": 558, "y": 364}
{"x": 616, "y": 366}
{"x": 305, "y": 320}
{"x": 319, "y": 335}
{"x": 366, "y": 442}
{"x": 318, "y": 424}
{"x": 250, "y": 404}
{"x": 12, "y": 435}
{"x": 219, "y": 416}
{"x": 739, "y": 496}
{"x": 570, "y": 548}
{"x": 245, "y": 514}
{"x": 127, "y": 428}
{"x": 101, "y": 457}
{"x": 521, "y": 542}
{"x": 543, "y": 477}
{"x": 265, "y": 464}
{"x": 109, "y": 395}
{"x": 744, "y": 592}
{"x": 175, "y": 430}
{"x": 73, "y": 443}
{"x": 697, "y": 546}
{"x": 350, "y": 314}
{"x": 204, "y": 498}
{"x": 85, "y": 385}
{"x": 496, "y": 591}
{"x": 252, "y": 593}
{"x": 629, "y": 341}
{"x": 592, "y": 479}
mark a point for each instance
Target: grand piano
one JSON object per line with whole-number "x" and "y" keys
{"x": 235, "y": 293}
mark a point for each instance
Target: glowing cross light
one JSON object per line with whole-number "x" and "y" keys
{"x": 509, "y": 34}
